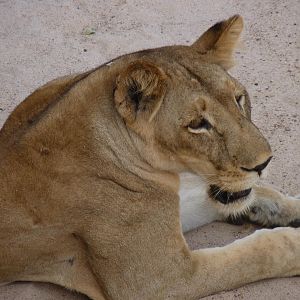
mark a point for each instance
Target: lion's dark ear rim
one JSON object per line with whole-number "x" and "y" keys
{"x": 218, "y": 43}
{"x": 140, "y": 88}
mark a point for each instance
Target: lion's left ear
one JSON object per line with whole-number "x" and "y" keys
{"x": 218, "y": 43}
{"x": 140, "y": 89}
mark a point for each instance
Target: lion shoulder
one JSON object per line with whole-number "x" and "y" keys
{"x": 35, "y": 104}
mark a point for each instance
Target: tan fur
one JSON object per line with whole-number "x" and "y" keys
{"x": 89, "y": 180}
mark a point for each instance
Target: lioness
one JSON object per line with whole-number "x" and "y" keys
{"x": 92, "y": 167}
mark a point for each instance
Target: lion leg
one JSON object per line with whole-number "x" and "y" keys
{"x": 77, "y": 278}
{"x": 59, "y": 259}
{"x": 264, "y": 254}
{"x": 185, "y": 275}
{"x": 156, "y": 263}
{"x": 273, "y": 209}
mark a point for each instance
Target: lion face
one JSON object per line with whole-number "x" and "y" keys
{"x": 212, "y": 133}
{"x": 193, "y": 115}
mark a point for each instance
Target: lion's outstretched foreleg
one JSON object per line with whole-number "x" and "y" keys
{"x": 264, "y": 254}
{"x": 189, "y": 275}
{"x": 154, "y": 261}
{"x": 273, "y": 209}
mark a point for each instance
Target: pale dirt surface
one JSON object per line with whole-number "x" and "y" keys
{"x": 41, "y": 40}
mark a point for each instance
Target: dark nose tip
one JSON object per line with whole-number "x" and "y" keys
{"x": 258, "y": 168}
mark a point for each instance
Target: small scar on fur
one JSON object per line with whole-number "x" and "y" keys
{"x": 71, "y": 261}
{"x": 44, "y": 150}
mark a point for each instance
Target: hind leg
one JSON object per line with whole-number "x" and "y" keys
{"x": 77, "y": 278}
{"x": 44, "y": 257}
{"x": 72, "y": 273}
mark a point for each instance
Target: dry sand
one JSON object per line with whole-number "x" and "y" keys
{"x": 40, "y": 40}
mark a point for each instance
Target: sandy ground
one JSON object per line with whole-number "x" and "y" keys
{"x": 40, "y": 40}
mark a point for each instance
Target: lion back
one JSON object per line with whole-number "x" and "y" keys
{"x": 30, "y": 110}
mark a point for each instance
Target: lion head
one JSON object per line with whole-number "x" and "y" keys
{"x": 192, "y": 115}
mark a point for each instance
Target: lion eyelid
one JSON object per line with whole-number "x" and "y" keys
{"x": 198, "y": 130}
{"x": 202, "y": 127}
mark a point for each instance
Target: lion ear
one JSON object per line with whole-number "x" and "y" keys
{"x": 140, "y": 89}
{"x": 218, "y": 43}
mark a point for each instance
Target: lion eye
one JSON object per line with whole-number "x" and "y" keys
{"x": 240, "y": 101}
{"x": 199, "y": 126}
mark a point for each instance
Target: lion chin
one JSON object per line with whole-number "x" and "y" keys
{"x": 202, "y": 204}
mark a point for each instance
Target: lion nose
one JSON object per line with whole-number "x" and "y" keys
{"x": 258, "y": 168}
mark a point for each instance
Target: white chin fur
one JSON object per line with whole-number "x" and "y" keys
{"x": 196, "y": 209}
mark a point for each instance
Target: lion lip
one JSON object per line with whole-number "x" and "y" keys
{"x": 226, "y": 197}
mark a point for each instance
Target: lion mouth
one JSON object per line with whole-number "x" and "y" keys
{"x": 226, "y": 197}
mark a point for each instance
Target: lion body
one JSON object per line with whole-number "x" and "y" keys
{"x": 90, "y": 185}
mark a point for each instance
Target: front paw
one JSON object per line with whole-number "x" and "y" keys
{"x": 276, "y": 211}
